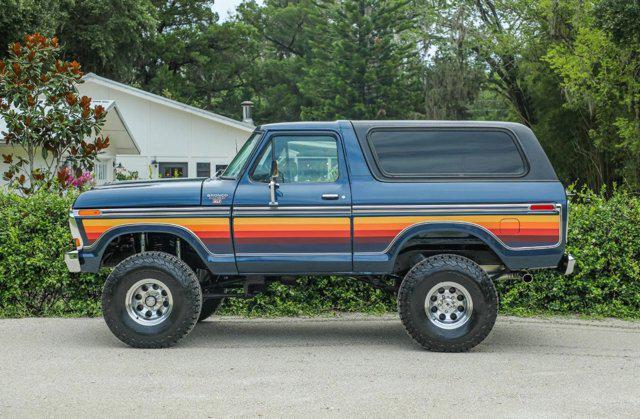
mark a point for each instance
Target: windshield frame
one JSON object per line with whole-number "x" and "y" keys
{"x": 255, "y": 139}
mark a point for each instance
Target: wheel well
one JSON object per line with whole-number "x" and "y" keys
{"x": 429, "y": 244}
{"x": 128, "y": 244}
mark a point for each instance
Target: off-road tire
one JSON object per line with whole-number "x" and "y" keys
{"x": 183, "y": 285}
{"x": 425, "y": 275}
{"x": 209, "y": 307}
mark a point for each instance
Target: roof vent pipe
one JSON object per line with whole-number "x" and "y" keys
{"x": 246, "y": 112}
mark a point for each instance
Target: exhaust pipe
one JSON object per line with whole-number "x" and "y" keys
{"x": 524, "y": 276}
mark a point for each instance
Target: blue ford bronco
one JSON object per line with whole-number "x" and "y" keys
{"x": 432, "y": 211}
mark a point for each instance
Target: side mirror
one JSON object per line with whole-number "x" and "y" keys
{"x": 274, "y": 169}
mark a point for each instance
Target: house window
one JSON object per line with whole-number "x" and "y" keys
{"x": 101, "y": 172}
{"x": 203, "y": 170}
{"x": 172, "y": 169}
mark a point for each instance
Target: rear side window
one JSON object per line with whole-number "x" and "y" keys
{"x": 446, "y": 153}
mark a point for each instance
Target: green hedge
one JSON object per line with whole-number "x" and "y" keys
{"x": 34, "y": 281}
{"x": 604, "y": 236}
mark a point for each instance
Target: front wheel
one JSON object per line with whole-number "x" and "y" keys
{"x": 151, "y": 300}
{"x": 447, "y": 303}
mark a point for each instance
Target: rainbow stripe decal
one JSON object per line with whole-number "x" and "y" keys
{"x": 376, "y": 233}
{"x": 213, "y": 232}
{"x": 326, "y": 232}
{"x": 292, "y": 234}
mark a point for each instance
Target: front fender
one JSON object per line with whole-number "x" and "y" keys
{"x": 91, "y": 256}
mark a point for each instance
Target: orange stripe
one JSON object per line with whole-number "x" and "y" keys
{"x": 209, "y": 228}
{"x": 291, "y": 221}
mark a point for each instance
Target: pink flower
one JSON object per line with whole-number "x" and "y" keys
{"x": 78, "y": 182}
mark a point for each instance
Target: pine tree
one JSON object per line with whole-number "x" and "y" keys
{"x": 361, "y": 67}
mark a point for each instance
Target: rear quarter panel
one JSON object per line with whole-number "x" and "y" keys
{"x": 387, "y": 213}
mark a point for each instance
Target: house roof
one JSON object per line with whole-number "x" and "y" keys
{"x": 167, "y": 102}
{"x": 115, "y": 128}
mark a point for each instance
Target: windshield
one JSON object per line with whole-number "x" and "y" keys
{"x": 233, "y": 170}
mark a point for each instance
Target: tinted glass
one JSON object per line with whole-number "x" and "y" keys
{"x": 203, "y": 170}
{"x": 301, "y": 159}
{"x": 448, "y": 153}
{"x": 233, "y": 170}
{"x": 262, "y": 172}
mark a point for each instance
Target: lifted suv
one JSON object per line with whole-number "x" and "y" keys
{"x": 433, "y": 211}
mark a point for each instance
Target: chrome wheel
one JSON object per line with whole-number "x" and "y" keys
{"x": 149, "y": 302}
{"x": 448, "y": 305}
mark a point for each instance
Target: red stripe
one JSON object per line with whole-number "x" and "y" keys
{"x": 213, "y": 234}
{"x": 376, "y": 233}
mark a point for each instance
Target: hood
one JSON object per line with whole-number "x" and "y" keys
{"x": 154, "y": 193}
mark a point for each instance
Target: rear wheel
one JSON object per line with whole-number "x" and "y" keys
{"x": 151, "y": 300}
{"x": 447, "y": 303}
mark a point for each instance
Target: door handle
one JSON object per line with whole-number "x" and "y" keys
{"x": 330, "y": 196}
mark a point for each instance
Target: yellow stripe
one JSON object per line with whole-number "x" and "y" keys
{"x": 179, "y": 221}
{"x": 467, "y": 218}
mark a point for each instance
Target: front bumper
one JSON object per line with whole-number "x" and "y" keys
{"x": 567, "y": 264}
{"x": 72, "y": 259}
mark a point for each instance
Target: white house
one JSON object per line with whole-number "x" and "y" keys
{"x": 159, "y": 137}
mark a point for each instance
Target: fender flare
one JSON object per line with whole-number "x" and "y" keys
{"x": 98, "y": 247}
{"x": 480, "y": 233}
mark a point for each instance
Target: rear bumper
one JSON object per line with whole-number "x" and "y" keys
{"x": 72, "y": 259}
{"x": 567, "y": 264}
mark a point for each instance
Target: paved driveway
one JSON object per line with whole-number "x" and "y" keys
{"x": 354, "y": 366}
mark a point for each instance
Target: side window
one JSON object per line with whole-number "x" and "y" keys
{"x": 446, "y": 153}
{"x": 301, "y": 159}
{"x": 262, "y": 172}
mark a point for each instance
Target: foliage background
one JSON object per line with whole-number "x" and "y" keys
{"x": 604, "y": 235}
{"x": 566, "y": 68}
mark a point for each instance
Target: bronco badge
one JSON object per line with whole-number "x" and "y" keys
{"x": 217, "y": 198}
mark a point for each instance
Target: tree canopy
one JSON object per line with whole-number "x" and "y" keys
{"x": 568, "y": 69}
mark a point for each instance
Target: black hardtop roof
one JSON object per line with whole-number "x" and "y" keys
{"x": 434, "y": 123}
{"x": 539, "y": 166}
{"x": 368, "y": 124}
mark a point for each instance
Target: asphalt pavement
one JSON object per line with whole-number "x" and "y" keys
{"x": 347, "y": 366}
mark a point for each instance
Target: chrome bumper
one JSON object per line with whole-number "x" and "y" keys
{"x": 567, "y": 264}
{"x": 73, "y": 261}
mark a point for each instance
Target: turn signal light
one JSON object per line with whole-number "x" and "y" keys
{"x": 77, "y": 242}
{"x": 542, "y": 207}
{"x": 89, "y": 212}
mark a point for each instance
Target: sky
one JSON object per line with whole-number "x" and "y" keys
{"x": 223, "y": 7}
